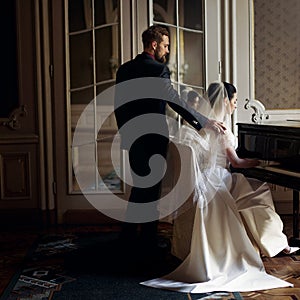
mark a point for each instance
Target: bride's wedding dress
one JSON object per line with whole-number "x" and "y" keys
{"x": 233, "y": 222}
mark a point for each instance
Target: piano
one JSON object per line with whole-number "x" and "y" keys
{"x": 277, "y": 145}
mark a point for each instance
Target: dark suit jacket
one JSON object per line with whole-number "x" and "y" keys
{"x": 144, "y": 66}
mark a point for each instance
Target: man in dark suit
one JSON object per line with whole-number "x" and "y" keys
{"x": 138, "y": 95}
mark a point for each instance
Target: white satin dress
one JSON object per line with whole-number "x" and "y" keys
{"x": 221, "y": 242}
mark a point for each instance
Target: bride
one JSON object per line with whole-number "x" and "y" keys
{"x": 233, "y": 218}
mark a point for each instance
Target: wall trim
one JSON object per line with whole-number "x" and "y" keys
{"x": 9, "y": 139}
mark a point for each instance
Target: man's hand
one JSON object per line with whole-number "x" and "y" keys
{"x": 218, "y": 127}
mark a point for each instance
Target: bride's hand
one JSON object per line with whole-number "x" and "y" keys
{"x": 251, "y": 162}
{"x": 218, "y": 127}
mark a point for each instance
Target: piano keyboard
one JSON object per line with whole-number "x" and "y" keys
{"x": 279, "y": 170}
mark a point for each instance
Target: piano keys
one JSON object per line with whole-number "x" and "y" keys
{"x": 277, "y": 145}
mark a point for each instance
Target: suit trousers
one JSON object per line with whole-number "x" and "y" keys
{"x": 140, "y": 155}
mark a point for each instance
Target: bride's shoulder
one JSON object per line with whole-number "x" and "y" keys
{"x": 229, "y": 137}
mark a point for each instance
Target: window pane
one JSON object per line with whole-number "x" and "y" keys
{"x": 191, "y": 66}
{"x": 106, "y": 12}
{"x": 80, "y": 15}
{"x": 82, "y": 97}
{"x": 81, "y": 60}
{"x": 108, "y": 149}
{"x": 102, "y": 87}
{"x": 164, "y": 12}
{"x": 190, "y": 14}
{"x": 107, "y": 170}
{"x": 172, "y": 57}
{"x": 84, "y": 167}
{"x": 107, "y": 58}
{"x": 99, "y": 13}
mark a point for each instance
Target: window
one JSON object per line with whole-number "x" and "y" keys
{"x": 92, "y": 58}
{"x": 184, "y": 20}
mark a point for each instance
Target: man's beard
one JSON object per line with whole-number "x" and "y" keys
{"x": 161, "y": 59}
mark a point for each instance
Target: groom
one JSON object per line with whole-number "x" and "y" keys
{"x": 149, "y": 64}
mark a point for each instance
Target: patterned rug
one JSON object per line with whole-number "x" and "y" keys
{"x": 86, "y": 266}
{"x": 83, "y": 263}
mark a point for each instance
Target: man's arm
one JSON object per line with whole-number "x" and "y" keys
{"x": 193, "y": 117}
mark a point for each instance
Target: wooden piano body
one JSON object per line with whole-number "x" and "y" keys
{"x": 278, "y": 146}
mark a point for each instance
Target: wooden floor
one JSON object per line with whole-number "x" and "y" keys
{"x": 14, "y": 245}
{"x": 286, "y": 267}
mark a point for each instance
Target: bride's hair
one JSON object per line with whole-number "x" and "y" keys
{"x": 230, "y": 88}
{"x": 215, "y": 91}
{"x": 217, "y": 95}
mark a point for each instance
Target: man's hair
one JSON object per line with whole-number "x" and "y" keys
{"x": 154, "y": 33}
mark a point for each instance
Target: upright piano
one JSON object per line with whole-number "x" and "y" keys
{"x": 277, "y": 145}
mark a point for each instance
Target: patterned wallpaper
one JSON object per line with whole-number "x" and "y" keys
{"x": 277, "y": 53}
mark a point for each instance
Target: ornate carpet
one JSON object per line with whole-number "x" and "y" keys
{"x": 84, "y": 264}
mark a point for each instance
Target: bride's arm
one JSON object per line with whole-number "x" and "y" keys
{"x": 237, "y": 162}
